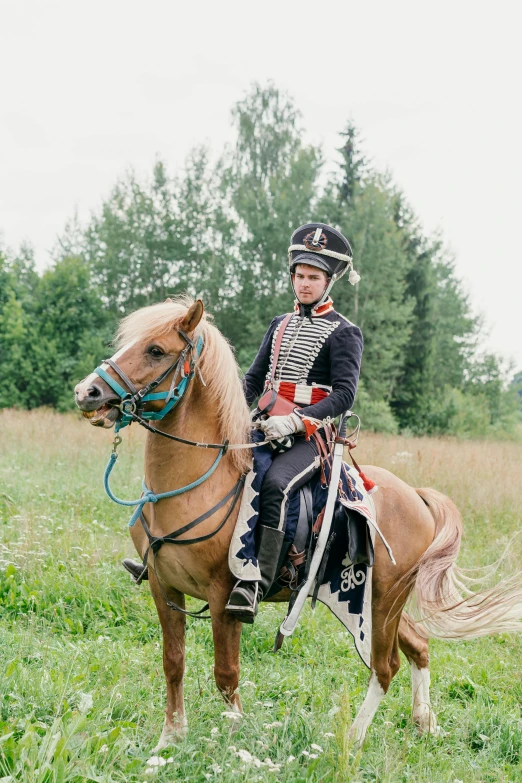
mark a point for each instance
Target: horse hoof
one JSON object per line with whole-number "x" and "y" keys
{"x": 171, "y": 735}
{"x": 426, "y": 723}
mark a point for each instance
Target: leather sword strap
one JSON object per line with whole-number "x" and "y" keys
{"x": 277, "y": 346}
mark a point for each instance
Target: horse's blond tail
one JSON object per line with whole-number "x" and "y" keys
{"x": 443, "y": 603}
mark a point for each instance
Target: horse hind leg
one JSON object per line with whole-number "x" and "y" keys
{"x": 385, "y": 665}
{"x": 416, "y": 650}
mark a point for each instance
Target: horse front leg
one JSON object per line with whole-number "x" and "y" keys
{"x": 226, "y": 631}
{"x": 173, "y": 627}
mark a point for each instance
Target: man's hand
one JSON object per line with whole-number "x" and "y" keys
{"x": 280, "y": 426}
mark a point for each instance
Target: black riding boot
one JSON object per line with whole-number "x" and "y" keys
{"x": 245, "y": 597}
{"x": 138, "y": 571}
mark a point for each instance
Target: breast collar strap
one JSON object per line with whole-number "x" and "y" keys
{"x": 134, "y": 400}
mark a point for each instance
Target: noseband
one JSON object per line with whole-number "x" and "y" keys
{"x": 134, "y": 400}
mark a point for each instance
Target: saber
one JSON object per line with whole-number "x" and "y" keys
{"x": 289, "y": 623}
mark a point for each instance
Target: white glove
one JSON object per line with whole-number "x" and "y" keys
{"x": 280, "y": 426}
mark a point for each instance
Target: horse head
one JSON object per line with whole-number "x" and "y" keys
{"x": 155, "y": 351}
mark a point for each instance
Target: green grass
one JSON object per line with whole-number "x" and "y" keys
{"x": 73, "y": 629}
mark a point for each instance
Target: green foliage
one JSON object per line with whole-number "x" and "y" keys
{"x": 376, "y": 414}
{"x": 220, "y": 230}
{"x": 52, "y": 331}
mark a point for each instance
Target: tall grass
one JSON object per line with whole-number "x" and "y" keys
{"x": 81, "y": 685}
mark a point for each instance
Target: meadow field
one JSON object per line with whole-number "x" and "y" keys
{"x": 81, "y": 682}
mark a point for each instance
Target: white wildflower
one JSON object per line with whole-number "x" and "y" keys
{"x": 170, "y": 760}
{"x": 156, "y": 761}
{"x": 85, "y": 703}
{"x": 290, "y": 759}
{"x": 318, "y": 748}
{"x": 328, "y": 734}
{"x": 214, "y": 730}
{"x": 231, "y": 715}
{"x": 273, "y": 725}
{"x": 216, "y": 769}
{"x": 244, "y": 755}
{"x": 248, "y": 683}
{"x": 104, "y": 749}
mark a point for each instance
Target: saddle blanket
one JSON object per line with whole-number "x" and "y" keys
{"x": 346, "y": 589}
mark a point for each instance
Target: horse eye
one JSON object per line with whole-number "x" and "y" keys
{"x": 156, "y": 351}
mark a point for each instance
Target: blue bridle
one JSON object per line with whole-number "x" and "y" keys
{"x": 133, "y": 401}
{"x": 131, "y": 407}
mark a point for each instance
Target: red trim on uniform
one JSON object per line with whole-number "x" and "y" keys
{"x": 310, "y": 427}
{"x": 318, "y": 395}
{"x": 288, "y": 391}
{"x": 324, "y": 309}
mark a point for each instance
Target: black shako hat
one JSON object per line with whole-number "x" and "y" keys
{"x": 320, "y": 245}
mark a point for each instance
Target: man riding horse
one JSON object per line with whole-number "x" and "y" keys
{"x": 317, "y": 370}
{"x": 318, "y": 358}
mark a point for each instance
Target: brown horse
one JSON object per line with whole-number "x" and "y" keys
{"x": 422, "y": 526}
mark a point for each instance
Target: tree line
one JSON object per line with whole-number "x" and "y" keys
{"x": 220, "y": 229}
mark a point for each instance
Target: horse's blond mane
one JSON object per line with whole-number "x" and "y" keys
{"x": 217, "y": 364}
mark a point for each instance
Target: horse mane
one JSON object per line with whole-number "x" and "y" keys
{"x": 218, "y": 366}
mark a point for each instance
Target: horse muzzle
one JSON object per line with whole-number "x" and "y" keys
{"x": 98, "y": 405}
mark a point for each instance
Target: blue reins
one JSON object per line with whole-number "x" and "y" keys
{"x": 131, "y": 406}
{"x": 148, "y": 496}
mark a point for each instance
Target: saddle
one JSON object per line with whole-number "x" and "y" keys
{"x": 349, "y": 530}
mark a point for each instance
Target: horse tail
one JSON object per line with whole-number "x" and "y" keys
{"x": 443, "y": 602}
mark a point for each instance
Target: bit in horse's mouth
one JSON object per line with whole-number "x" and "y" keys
{"x": 103, "y": 417}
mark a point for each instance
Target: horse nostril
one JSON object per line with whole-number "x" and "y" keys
{"x": 93, "y": 392}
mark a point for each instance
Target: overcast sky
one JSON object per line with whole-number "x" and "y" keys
{"x": 89, "y": 89}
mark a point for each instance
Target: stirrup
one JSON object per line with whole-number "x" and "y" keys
{"x": 138, "y": 571}
{"x": 243, "y": 603}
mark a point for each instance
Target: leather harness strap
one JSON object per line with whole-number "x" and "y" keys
{"x": 156, "y": 542}
{"x": 277, "y": 345}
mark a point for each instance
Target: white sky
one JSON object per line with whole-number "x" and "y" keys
{"x": 88, "y": 89}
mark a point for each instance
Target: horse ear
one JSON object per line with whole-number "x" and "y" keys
{"x": 193, "y": 317}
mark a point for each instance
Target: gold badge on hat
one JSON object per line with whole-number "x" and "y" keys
{"x": 316, "y": 240}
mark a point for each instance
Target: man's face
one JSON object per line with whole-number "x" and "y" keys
{"x": 309, "y": 283}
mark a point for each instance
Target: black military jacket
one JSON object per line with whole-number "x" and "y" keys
{"x": 317, "y": 350}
